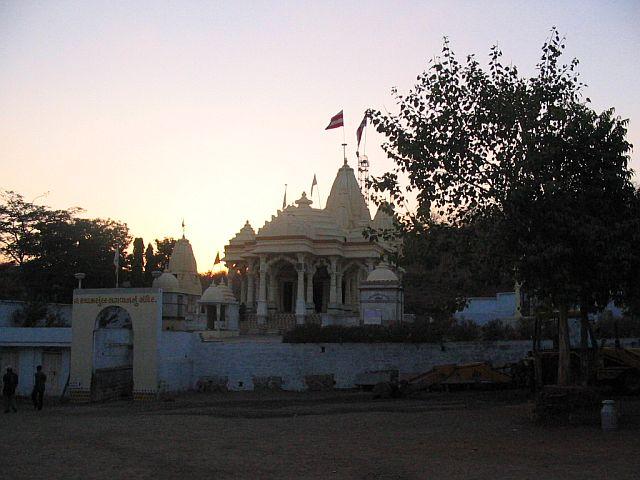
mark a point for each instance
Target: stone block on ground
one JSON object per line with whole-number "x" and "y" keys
{"x": 271, "y": 383}
{"x": 212, "y": 384}
{"x": 319, "y": 383}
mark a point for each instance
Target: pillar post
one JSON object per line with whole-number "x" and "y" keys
{"x": 262, "y": 292}
{"x": 243, "y": 289}
{"x": 273, "y": 290}
{"x": 250, "y": 289}
{"x": 333, "y": 271}
{"x": 301, "y": 306}
{"x": 311, "y": 270}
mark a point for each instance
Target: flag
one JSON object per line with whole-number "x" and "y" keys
{"x": 116, "y": 258}
{"x": 217, "y": 260}
{"x": 336, "y": 121}
{"x": 284, "y": 200}
{"x": 313, "y": 184}
{"x": 363, "y": 124}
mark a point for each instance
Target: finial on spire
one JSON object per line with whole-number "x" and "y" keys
{"x": 344, "y": 152}
{"x": 183, "y": 228}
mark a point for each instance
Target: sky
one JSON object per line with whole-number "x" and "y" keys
{"x": 149, "y": 112}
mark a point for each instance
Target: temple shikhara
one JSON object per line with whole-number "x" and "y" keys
{"x": 310, "y": 264}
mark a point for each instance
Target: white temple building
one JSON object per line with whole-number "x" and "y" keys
{"x": 306, "y": 265}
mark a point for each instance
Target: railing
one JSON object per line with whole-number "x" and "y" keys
{"x": 277, "y": 323}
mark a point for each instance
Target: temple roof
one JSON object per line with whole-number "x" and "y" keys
{"x": 335, "y": 230}
{"x": 245, "y": 234}
{"x": 183, "y": 265}
{"x": 346, "y": 202}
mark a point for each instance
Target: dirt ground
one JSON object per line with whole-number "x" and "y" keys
{"x": 470, "y": 435}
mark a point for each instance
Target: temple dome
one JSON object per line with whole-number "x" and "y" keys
{"x": 382, "y": 273}
{"x": 183, "y": 265}
{"x": 246, "y": 234}
{"x": 346, "y": 202}
{"x": 167, "y": 282}
{"x": 217, "y": 294}
{"x": 382, "y": 220}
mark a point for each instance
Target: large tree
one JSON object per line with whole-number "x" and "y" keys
{"x": 45, "y": 247}
{"x": 137, "y": 263}
{"x": 20, "y": 224}
{"x": 529, "y": 160}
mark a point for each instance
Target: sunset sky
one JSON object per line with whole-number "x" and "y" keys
{"x": 149, "y": 112}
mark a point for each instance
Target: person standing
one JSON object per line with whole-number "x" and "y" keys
{"x": 9, "y": 385}
{"x": 37, "y": 396}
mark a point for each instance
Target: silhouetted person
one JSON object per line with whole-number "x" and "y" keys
{"x": 9, "y": 385}
{"x": 37, "y": 396}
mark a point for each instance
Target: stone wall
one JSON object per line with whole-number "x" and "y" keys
{"x": 184, "y": 359}
{"x": 242, "y": 361}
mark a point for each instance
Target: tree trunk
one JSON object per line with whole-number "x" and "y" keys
{"x": 584, "y": 326}
{"x": 585, "y": 357}
{"x": 564, "y": 354}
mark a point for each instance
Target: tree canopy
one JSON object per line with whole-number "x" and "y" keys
{"x": 526, "y": 162}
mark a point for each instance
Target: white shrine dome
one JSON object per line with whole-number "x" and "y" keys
{"x": 183, "y": 265}
{"x": 182, "y": 259}
{"x": 217, "y": 294}
{"x": 346, "y": 202}
{"x": 302, "y": 221}
{"x": 167, "y": 282}
{"x": 382, "y": 273}
{"x": 246, "y": 234}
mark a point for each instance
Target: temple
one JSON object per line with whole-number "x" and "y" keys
{"x": 306, "y": 265}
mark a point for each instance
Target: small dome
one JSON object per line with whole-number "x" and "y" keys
{"x": 382, "y": 273}
{"x": 227, "y": 294}
{"x": 167, "y": 282}
{"x": 217, "y": 294}
{"x": 213, "y": 294}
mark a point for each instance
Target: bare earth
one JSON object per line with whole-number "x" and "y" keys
{"x": 477, "y": 435}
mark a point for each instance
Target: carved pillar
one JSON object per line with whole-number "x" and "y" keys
{"x": 311, "y": 270}
{"x": 347, "y": 292}
{"x": 273, "y": 290}
{"x": 262, "y": 292}
{"x": 250, "y": 289}
{"x": 243, "y": 289}
{"x": 339, "y": 290}
{"x": 301, "y": 305}
{"x": 333, "y": 271}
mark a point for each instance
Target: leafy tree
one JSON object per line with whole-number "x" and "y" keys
{"x": 149, "y": 265}
{"x": 528, "y": 159}
{"x": 164, "y": 248}
{"x": 137, "y": 263}
{"x": 65, "y": 248}
{"x": 209, "y": 277}
{"x": 20, "y": 223}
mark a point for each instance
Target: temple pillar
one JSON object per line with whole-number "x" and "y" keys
{"x": 273, "y": 289}
{"x": 339, "y": 290}
{"x": 333, "y": 272}
{"x": 311, "y": 270}
{"x": 250, "y": 290}
{"x": 243, "y": 289}
{"x": 301, "y": 306}
{"x": 262, "y": 309}
{"x": 347, "y": 292}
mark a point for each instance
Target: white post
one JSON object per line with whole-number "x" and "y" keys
{"x": 262, "y": 293}
{"x": 310, "y": 305}
{"x": 301, "y": 306}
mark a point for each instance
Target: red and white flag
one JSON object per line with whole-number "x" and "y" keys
{"x": 363, "y": 124}
{"x": 336, "y": 121}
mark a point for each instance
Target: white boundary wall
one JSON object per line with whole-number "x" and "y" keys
{"x": 184, "y": 359}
